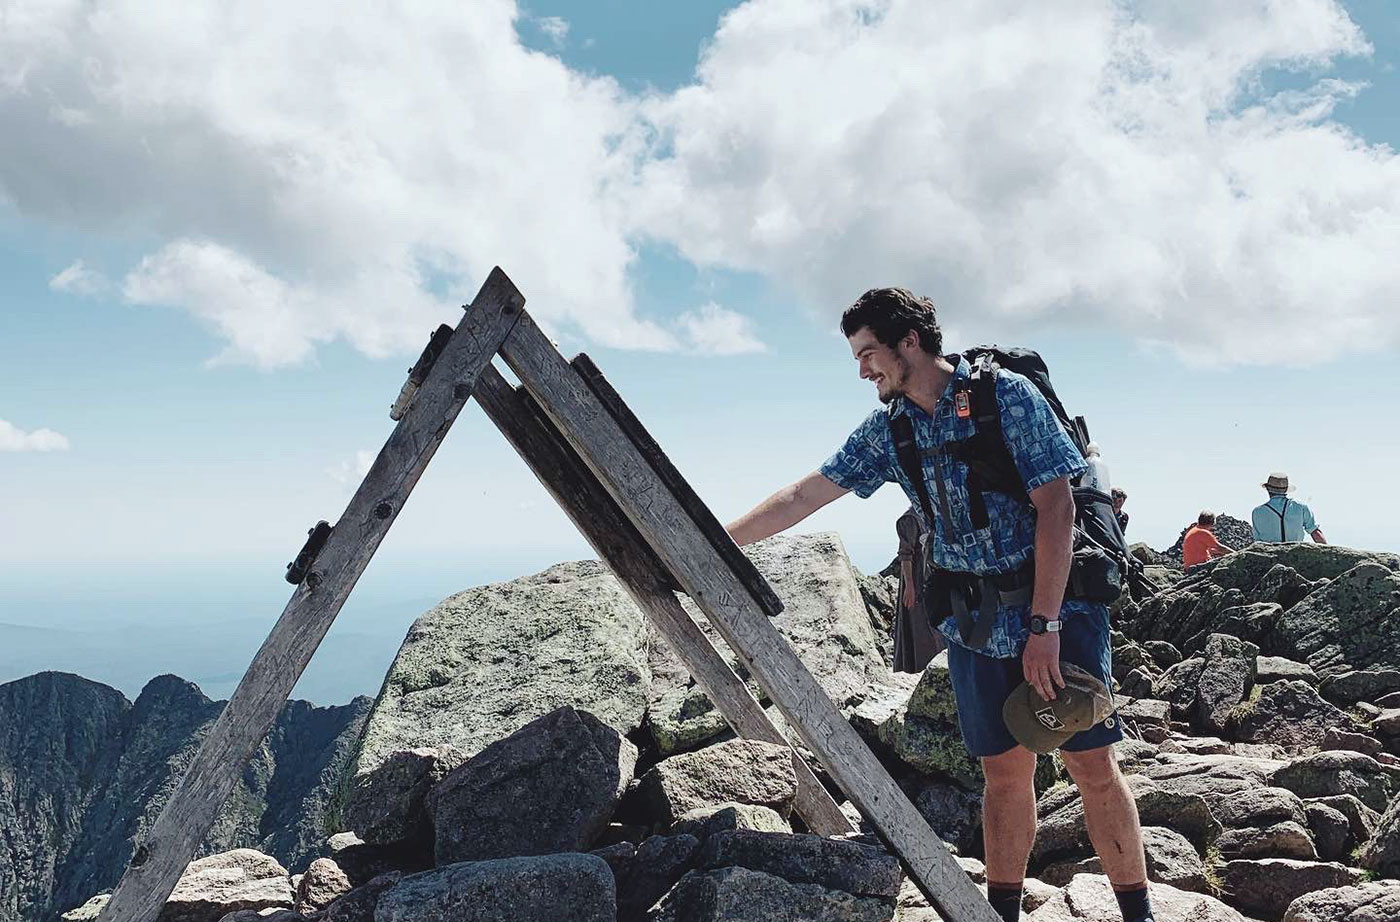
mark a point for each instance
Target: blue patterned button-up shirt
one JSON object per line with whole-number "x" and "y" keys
{"x": 1042, "y": 452}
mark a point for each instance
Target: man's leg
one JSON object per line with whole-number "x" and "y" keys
{"x": 1008, "y": 826}
{"x": 1110, "y": 813}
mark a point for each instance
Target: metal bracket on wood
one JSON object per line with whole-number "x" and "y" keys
{"x": 315, "y": 540}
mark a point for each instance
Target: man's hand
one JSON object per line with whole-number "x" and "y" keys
{"x": 909, "y": 595}
{"x": 1040, "y": 663}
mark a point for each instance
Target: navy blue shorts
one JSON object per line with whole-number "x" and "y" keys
{"x": 981, "y": 685}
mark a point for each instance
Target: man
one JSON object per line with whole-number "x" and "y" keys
{"x": 895, "y": 339}
{"x": 915, "y": 640}
{"x": 1119, "y": 498}
{"x": 1281, "y": 519}
{"x": 1200, "y": 543}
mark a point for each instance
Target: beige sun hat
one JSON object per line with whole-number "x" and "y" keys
{"x": 1044, "y": 726}
{"x": 1277, "y": 482}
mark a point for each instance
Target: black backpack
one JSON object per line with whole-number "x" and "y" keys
{"x": 1101, "y": 557}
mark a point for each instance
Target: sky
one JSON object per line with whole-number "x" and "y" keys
{"x": 227, "y": 230}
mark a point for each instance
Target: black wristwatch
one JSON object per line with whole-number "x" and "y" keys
{"x": 1043, "y": 625}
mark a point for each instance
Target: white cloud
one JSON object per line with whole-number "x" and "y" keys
{"x": 13, "y": 438}
{"x": 1091, "y": 162}
{"x": 353, "y": 173}
{"x": 350, "y": 472}
{"x": 714, "y": 330}
{"x": 556, "y": 28}
{"x": 78, "y": 279}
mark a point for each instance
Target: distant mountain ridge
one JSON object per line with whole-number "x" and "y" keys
{"x": 84, "y": 772}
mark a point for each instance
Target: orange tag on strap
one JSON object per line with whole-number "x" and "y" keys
{"x": 962, "y": 404}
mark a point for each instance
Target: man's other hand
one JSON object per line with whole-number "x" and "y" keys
{"x": 1040, "y": 663}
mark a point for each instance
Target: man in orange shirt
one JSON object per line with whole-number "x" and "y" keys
{"x": 1200, "y": 543}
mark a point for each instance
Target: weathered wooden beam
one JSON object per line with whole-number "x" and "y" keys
{"x": 642, "y": 574}
{"x": 671, "y": 530}
{"x": 260, "y": 696}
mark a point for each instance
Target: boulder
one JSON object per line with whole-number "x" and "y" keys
{"x": 1331, "y": 831}
{"x": 1265, "y": 887}
{"x": 1288, "y": 713}
{"x": 487, "y": 661}
{"x": 1382, "y": 853}
{"x": 387, "y": 805}
{"x": 1149, "y": 718}
{"x": 1089, "y": 898}
{"x": 1258, "y": 807}
{"x": 703, "y": 822}
{"x": 1362, "y": 818}
{"x": 951, "y": 811}
{"x": 549, "y": 787}
{"x": 1063, "y": 835}
{"x": 1280, "y": 668}
{"x": 736, "y": 894}
{"x": 735, "y": 771}
{"x": 1281, "y": 840}
{"x": 322, "y": 884}
{"x": 1225, "y": 679}
{"x": 212, "y": 887}
{"x": 924, "y": 733}
{"x": 806, "y": 859}
{"x": 1351, "y": 622}
{"x": 1163, "y": 654}
{"x": 1171, "y": 859}
{"x": 542, "y": 888}
{"x": 1177, "y": 686}
{"x": 1347, "y": 688}
{"x": 1337, "y": 739}
{"x": 650, "y": 870}
{"x": 1326, "y": 773}
{"x": 1377, "y": 901}
{"x": 359, "y": 904}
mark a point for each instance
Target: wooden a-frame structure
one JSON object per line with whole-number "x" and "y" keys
{"x": 645, "y": 523}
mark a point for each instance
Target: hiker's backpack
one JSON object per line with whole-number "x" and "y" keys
{"x": 1101, "y": 562}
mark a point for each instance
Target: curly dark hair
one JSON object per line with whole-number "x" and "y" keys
{"x": 890, "y": 313}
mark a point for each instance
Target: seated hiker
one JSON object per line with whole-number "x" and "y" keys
{"x": 915, "y": 640}
{"x": 1281, "y": 519}
{"x": 1200, "y": 543}
{"x": 1119, "y": 498}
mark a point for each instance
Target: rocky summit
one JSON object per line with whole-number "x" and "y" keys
{"x": 538, "y": 753}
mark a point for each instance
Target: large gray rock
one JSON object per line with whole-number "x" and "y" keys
{"x": 1089, "y": 898}
{"x": 1347, "y": 688}
{"x": 825, "y": 618}
{"x": 1177, "y": 686}
{"x": 736, "y": 771}
{"x": 1331, "y": 831}
{"x": 485, "y": 662}
{"x": 1259, "y": 807}
{"x": 1377, "y": 901}
{"x": 359, "y": 904}
{"x": 322, "y": 884}
{"x": 1063, "y": 835}
{"x": 387, "y": 805}
{"x": 1225, "y": 679}
{"x": 1326, "y": 773}
{"x": 212, "y": 887}
{"x": 1265, "y": 887}
{"x": 1350, "y": 623}
{"x": 1363, "y": 819}
{"x": 1287, "y": 713}
{"x": 806, "y": 859}
{"x": 1280, "y": 669}
{"x": 741, "y": 895}
{"x": 1382, "y": 853}
{"x": 1171, "y": 859}
{"x": 703, "y": 822}
{"x": 551, "y": 786}
{"x": 547, "y": 888}
{"x": 951, "y": 811}
{"x": 1281, "y": 840}
{"x": 646, "y": 874}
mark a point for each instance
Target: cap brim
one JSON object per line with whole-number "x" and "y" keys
{"x": 1019, "y": 715}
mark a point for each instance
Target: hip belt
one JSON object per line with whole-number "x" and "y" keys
{"x": 973, "y": 599}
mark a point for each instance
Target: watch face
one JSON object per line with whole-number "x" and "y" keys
{"x": 1038, "y": 624}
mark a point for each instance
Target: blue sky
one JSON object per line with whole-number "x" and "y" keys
{"x": 218, "y": 257}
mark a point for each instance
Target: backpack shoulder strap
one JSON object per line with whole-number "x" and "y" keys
{"x": 906, "y": 450}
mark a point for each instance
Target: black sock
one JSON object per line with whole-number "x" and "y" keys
{"x": 1006, "y": 900}
{"x": 1134, "y": 904}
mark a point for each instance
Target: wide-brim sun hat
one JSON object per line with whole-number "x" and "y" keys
{"x": 1278, "y": 482}
{"x": 1044, "y": 726}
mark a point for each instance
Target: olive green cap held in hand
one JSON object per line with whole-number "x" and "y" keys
{"x": 1044, "y": 726}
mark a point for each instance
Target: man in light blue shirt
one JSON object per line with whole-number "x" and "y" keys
{"x": 1283, "y": 520}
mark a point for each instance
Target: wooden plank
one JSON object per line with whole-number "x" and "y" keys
{"x": 250, "y": 712}
{"x": 700, "y": 513}
{"x": 645, "y": 578}
{"x": 668, "y": 527}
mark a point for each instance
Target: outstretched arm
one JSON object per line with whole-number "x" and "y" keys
{"x": 784, "y": 509}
